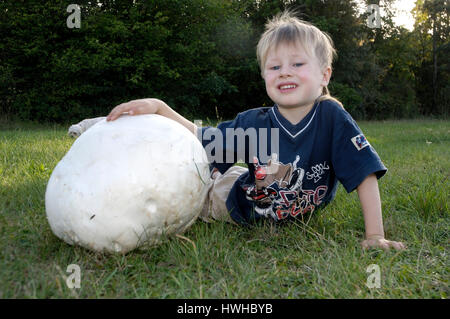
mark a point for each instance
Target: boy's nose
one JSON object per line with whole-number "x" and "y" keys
{"x": 285, "y": 71}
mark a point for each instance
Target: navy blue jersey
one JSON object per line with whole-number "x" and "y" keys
{"x": 293, "y": 169}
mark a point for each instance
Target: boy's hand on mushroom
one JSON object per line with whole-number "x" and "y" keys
{"x": 135, "y": 107}
{"x": 380, "y": 242}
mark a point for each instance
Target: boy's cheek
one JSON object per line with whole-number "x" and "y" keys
{"x": 269, "y": 92}
{"x": 267, "y": 88}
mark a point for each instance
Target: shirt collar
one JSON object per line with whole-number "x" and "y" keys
{"x": 294, "y": 130}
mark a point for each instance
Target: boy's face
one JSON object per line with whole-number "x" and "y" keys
{"x": 293, "y": 78}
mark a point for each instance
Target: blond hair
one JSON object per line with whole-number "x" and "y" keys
{"x": 285, "y": 28}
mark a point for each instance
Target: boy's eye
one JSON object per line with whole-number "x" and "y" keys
{"x": 276, "y": 67}
{"x": 297, "y": 65}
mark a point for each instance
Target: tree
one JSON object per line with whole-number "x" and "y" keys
{"x": 199, "y": 56}
{"x": 432, "y": 29}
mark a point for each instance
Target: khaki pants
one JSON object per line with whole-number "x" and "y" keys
{"x": 215, "y": 208}
{"x": 77, "y": 129}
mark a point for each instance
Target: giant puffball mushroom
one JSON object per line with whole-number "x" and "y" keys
{"x": 127, "y": 183}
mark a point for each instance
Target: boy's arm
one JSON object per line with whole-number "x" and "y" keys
{"x": 369, "y": 196}
{"x": 150, "y": 106}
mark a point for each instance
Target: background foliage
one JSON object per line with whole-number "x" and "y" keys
{"x": 199, "y": 56}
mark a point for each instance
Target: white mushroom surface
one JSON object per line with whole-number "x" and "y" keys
{"x": 127, "y": 183}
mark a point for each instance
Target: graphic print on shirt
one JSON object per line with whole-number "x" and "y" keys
{"x": 360, "y": 141}
{"x": 278, "y": 191}
{"x": 317, "y": 171}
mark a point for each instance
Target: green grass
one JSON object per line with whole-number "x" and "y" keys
{"x": 320, "y": 259}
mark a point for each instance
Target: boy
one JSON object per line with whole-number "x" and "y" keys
{"x": 318, "y": 143}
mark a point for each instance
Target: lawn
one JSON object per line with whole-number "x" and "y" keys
{"x": 320, "y": 258}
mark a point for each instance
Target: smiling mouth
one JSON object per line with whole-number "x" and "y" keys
{"x": 287, "y": 87}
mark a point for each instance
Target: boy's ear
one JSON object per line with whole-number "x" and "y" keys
{"x": 326, "y": 76}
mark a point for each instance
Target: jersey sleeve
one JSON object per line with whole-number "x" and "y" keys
{"x": 220, "y": 143}
{"x": 353, "y": 158}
